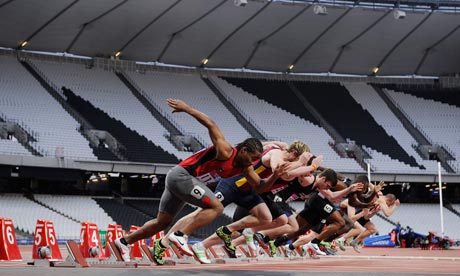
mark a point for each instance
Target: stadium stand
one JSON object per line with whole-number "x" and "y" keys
{"x": 438, "y": 121}
{"x": 24, "y": 101}
{"x": 429, "y": 221}
{"x": 351, "y": 120}
{"x": 282, "y": 125}
{"x": 76, "y": 208}
{"x": 367, "y": 97}
{"x": 12, "y": 148}
{"x": 158, "y": 86}
{"x": 106, "y": 92}
{"x": 124, "y": 215}
{"x": 138, "y": 148}
{"x": 25, "y": 213}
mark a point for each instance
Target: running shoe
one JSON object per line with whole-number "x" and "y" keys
{"x": 158, "y": 252}
{"x": 311, "y": 252}
{"x": 355, "y": 246}
{"x": 273, "y": 249}
{"x": 249, "y": 236}
{"x": 200, "y": 253}
{"x": 181, "y": 243}
{"x": 328, "y": 246}
{"x": 289, "y": 251}
{"x": 315, "y": 248}
{"x": 259, "y": 238}
{"x": 341, "y": 245}
{"x": 227, "y": 238}
{"x": 124, "y": 250}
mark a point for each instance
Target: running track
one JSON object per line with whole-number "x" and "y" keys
{"x": 378, "y": 261}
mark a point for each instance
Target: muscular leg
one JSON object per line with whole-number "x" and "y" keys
{"x": 304, "y": 226}
{"x": 290, "y": 227}
{"x": 336, "y": 222}
{"x": 280, "y": 221}
{"x": 370, "y": 229}
{"x": 260, "y": 215}
{"x": 150, "y": 228}
{"x": 204, "y": 217}
{"x": 355, "y": 231}
{"x": 304, "y": 239}
{"x": 348, "y": 225}
{"x": 180, "y": 224}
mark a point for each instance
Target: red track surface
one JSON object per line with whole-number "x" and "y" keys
{"x": 378, "y": 260}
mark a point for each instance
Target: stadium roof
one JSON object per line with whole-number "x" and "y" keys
{"x": 343, "y": 37}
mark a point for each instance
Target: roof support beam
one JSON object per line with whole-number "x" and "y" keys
{"x": 148, "y": 25}
{"x": 211, "y": 54}
{"x": 173, "y": 36}
{"x": 86, "y": 24}
{"x": 28, "y": 39}
{"x": 430, "y": 48}
{"x": 294, "y": 62}
{"x": 264, "y": 39}
{"x": 347, "y": 45}
{"x": 379, "y": 65}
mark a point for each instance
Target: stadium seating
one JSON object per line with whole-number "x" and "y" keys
{"x": 24, "y": 101}
{"x": 282, "y": 125}
{"x": 11, "y": 147}
{"x": 80, "y": 208}
{"x": 429, "y": 221}
{"x": 107, "y": 93}
{"x": 25, "y": 213}
{"x": 158, "y": 86}
{"x": 438, "y": 121}
{"x": 365, "y": 95}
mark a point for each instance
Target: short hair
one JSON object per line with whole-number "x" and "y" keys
{"x": 251, "y": 144}
{"x": 391, "y": 197}
{"x": 298, "y": 146}
{"x": 361, "y": 178}
{"x": 330, "y": 175}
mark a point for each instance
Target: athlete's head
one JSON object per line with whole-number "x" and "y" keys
{"x": 296, "y": 149}
{"x": 249, "y": 151}
{"x": 390, "y": 199}
{"x": 326, "y": 179}
{"x": 365, "y": 195}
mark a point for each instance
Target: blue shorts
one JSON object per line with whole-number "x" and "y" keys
{"x": 227, "y": 192}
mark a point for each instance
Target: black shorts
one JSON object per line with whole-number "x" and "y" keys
{"x": 363, "y": 221}
{"x": 318, "y": 228}
{"x": 316, "y": 209}
{"x": 276, "y": 209}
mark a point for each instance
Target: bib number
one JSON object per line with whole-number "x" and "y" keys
{"x": 197, "y": 192}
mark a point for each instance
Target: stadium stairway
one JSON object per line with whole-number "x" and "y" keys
{"x": 354, "y": 122}
{"x": 138, "y": 148}
{"x": 100, "y": 153}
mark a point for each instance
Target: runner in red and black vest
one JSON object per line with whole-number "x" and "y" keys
{"x": 186, "y": 183}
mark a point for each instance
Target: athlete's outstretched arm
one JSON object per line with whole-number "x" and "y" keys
{"x": 223, "y": 147}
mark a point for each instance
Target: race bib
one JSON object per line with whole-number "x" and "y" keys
{"x": 219, "y": 196}
{"x": 210, "y": 177}
{"x": 328, "y": 208}
{"x": 197, "y": 192}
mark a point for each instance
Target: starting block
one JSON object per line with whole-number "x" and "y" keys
{"x": 147, "y": 258}
{"x": 90, "y": 241}
{"x": 181, "y": 258}
{"x": 9, "y": 250}
{"x": 114, "y": 231}
{"x": 45, "y": 247}
{"x": 76, "y": 258}
{"x": 225, "y": 257}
